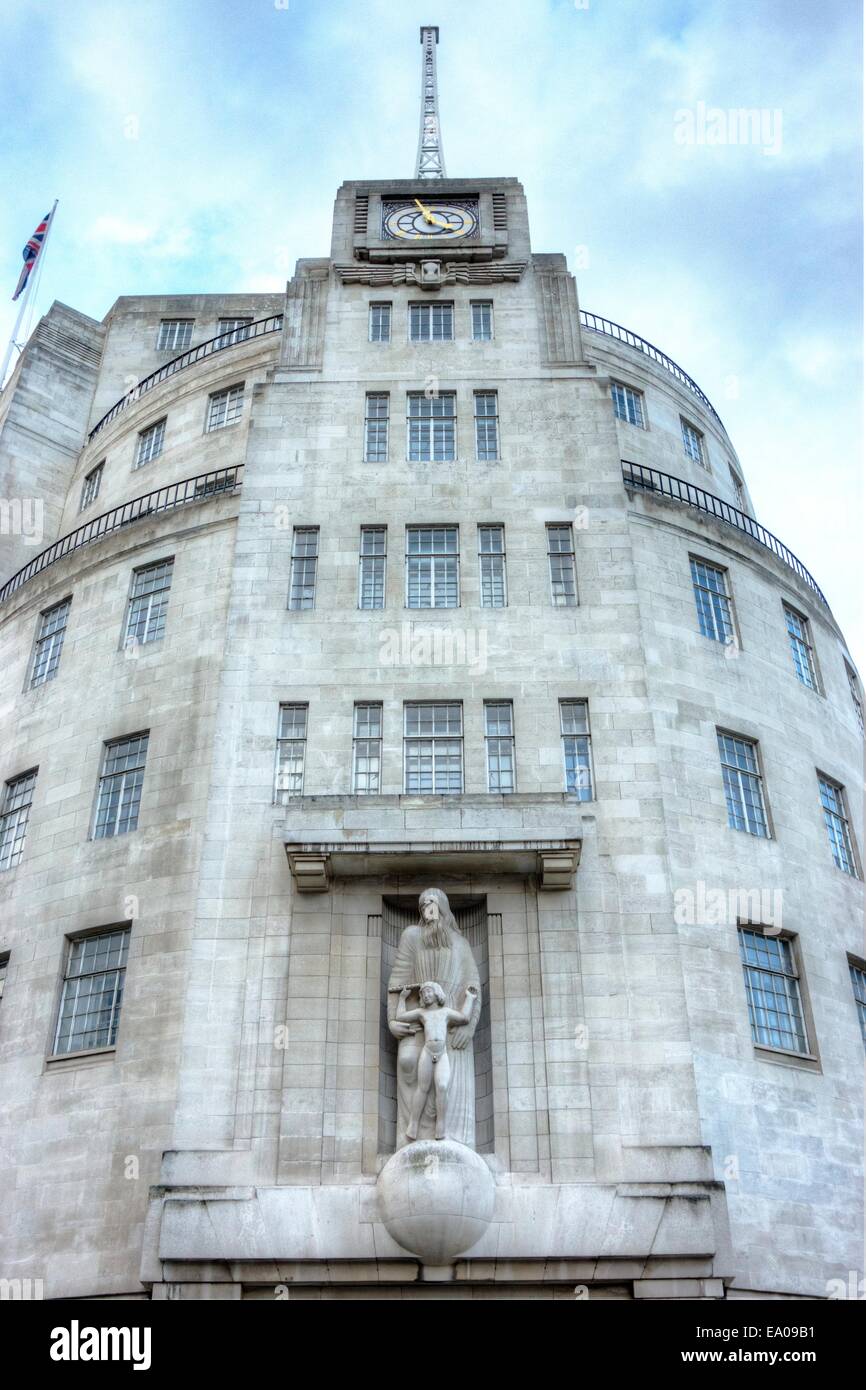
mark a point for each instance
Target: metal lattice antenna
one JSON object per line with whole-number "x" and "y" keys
{"x": 431, "y": 158}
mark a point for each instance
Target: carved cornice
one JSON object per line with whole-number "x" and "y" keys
{"x": 420, "y": 273}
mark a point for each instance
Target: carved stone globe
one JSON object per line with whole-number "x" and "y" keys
{"x": 436, "y": 1199}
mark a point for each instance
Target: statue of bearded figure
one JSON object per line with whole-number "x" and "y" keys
{"x": 435, "y": 950}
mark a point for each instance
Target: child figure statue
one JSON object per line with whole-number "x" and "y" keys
{"x": 434, "y": 1067}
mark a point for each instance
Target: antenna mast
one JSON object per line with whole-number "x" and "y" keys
{"x": 431, "y": 158}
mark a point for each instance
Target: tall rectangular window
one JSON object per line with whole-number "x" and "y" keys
{"x": 836, "y": 821}
{"x": 712, "y": 600}
{"x": 234, "y": 330}
{"x": 367, "y": 750}
{"x": 574, "y": 727}
{"x": 854, "y": 687}
{"x": 174, "y": 334}
{"x": 225, "y": 407}
{"x": 800, "y": 641}
{"x": 92, "y": 483}
{"x": 627, "y": 404}
{"x": 499, "y": 740}
{"x": 14, "y": 815}
{"x": 92, "y": 991}
{"x": 560, "y": 558}
{"x": 305, "y": 558}
{"x": 376, "y": 427}
{"x": 371, "y": 577}
{"x": 148, "y": 602}
{"x": 482, "y": 320}
{"x": 744, "y": 792}
{"x": 693, "y": 443}
{"x": 431, "y": 323}
{"x": 119, "y": 795}
{"x": 432, "y": 567}
{"x": 291, "y": 752}
{"x": 432, "y": 427}
{"x": 150, "y": 442}
{"x": 858, "y": 984}
{"x": 4, "y": 966}
{"x": 486, "y": 426}
{"x": 739, "y": 490}
{"x": 491, "y": 564}
{"x": 433, "y": 747}
{"x": 773, "y": 991}
{"x": 49, "y": 642}
{"x": 380, "y": 323}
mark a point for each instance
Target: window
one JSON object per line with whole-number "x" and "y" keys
{"x": 433, "y": 748}
{"x": 836, "y": 821}
{"x": 380, "y": 323}
{"x": 482, "y": 320}
{"x": 49, "y": 643}
{"x": 499, "y": 738}
{"x": 291, "y": 750}
{"x": 150, "y": 442}
{"x": 225, "y": 407}
{"x": 801, "y": 647}
{"x": 574, "y": 727}
{"x": 858, "y": 984}
{"x": 148, "y": 603}
{"x": 712, "y": 601}
{"x": 92, "y": 483}
{"x": 431, "y": 323}
{"x": 4, "y": 966}
{"x": 175, "y": 334}
{"x": 305, "y": 558}
{"x": 432, "y": 427}
{"x": 376, "y": 427}
{"x": 491, "y": 563}
{"x": 432, "y": 567}
{"x": 367, "y": 750}
{"x": 92, "y": 991}
{"x": 744, "y": 792}
{"x": 234, "y": 330}
{"x": 486, "y": 426}
{"x": 855, "y": 694}
{"x": 627, "y": 404}
{"x": 371, "y": 579}
{"x": 560, "y": 558}
{"x": 14, "y": 815}
{"x": 693, "y": 443}
{"x": 119, "y": 795}
{"x": 739, "y": 490}
{"x": 773, "y": 991}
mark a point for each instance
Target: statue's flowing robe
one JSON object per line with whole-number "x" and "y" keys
{"x": 453, "y": 967}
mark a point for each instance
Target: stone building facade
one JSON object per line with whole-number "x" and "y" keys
{"x": 465, "y": 589}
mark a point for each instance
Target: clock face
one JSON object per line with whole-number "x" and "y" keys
{"x": 423, "y": 220}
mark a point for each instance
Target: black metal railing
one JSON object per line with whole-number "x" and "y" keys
{"x": 230, "y": 338}
{"x": 664, "y": 484}
{"x": 164, "y": 499}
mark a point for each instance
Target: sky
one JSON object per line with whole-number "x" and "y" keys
{"x": 196, "y": 147}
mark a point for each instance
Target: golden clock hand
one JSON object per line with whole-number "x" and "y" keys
{"x": 428, "y": 216}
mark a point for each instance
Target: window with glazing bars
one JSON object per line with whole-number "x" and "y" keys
{"x": 291, "y": 750}
{"x": 799, "y": 638}
{"x": 380, "y": 323}
{"x": 693, "y": 443}
{"x": 739, "y": 490}
{"x": 854, "y": 687}
{"x": 431, "y": 323}
{"x": 148, "y": 602}
{"x": 175, "y": 334}
{"x": 305, "y": 557}
{"x": 14, "y": 815}
{"x": 744, "y": 792}
{"x": 627, "y": 404}
{"x": 433, "y": 747}
{"x": 499, "y": 739}
{"x": 560, "y": 556}
{"x": 371, "y": 576}
{"x": 858, "y": 984}
{"x": 49, "y": 642}
{"x": 92, "y": 483}
{"x": 233, "y": 330}
{"x": 486, "y": 426}
{"x": 92, "y": 991}
{"x": 367, "y": 749}
{"x": 150, "y": 442}
{"x": 712, "y": 601}
{"x": 773, "y": 991}
{"x": 225, "y": 407}
{"x": 482, "y": 320}
{"x": 491, "y": 564}
{"x": 836, "y": 821}
{"x": 376, "y": 427}
{"x": 432, "y": 567}
{"x": 119, "y": 795}
{"x": 574, "y": 727}
{"x": 432, "y": 427}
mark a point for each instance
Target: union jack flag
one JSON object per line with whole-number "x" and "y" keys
{"x": 31, "y": 253}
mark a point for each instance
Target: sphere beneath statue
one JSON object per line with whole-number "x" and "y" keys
{"x": 436, "y": 1199}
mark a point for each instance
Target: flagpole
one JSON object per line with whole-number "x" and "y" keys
{"x": 25, "y": 298}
